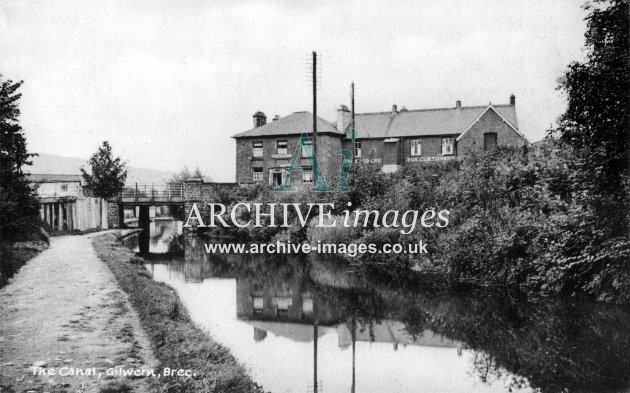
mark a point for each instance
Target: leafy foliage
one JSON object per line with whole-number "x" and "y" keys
{"x": 18, "y": 205}
{"x": 108, "y": 173}
{"x": 597, "y": 121}
{"x": 185, "y": 174}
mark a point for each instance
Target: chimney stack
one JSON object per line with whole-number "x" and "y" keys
{"x": 394, "y": 109}
{"x": 512, "y": 100}
{"x": 343, "y": 118}
{"x": 458, "y": 104}
{"x": 259, "y": 119}
{"x": 276, "y": 117}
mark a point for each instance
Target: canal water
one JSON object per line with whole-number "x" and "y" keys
{"x": 300, "y": 324}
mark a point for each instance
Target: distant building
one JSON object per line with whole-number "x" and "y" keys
{"x": 393, "y": 139}
{"x": 63, "y": 204}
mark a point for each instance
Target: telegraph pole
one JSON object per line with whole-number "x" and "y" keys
{"x": 354, "y": 134}
{"x": 314, "y": 104}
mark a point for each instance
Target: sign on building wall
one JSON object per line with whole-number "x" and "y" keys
{"x": 436, "y": 158}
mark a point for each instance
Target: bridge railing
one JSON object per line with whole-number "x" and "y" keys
{"x": 152, "y": 191}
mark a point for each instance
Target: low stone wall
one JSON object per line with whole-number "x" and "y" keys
{"x": 203, "y": 193}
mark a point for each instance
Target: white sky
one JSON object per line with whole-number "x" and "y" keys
{"x": 168, "y": 82}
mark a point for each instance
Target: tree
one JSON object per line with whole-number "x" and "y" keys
{"x": 185, "y": 174}
{"x": 108, "y": 173}
{"x": 596, "y": 123}
{"x": 19, "y": 208}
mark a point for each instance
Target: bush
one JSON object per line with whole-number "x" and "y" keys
{"x": 339, "y": 234}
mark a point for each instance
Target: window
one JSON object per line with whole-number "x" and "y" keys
{"x": 307, "y": 177}
{"x": 258, "y": 305}
{"x": 447, "y": 146}
{"x": 257, "y": 150}
{"x": 282, "y": 305}
{"x": 307, "y": 306}
{"x": 281, "y": 147}
{"x": 357, "y": 149}
{"x": 307, "y": 149}
{"x": 416, "y": 148}
{"x": 258, "y": 175}
{"x": 490, "y": 141}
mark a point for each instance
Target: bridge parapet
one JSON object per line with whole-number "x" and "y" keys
{"x": 184, "y": 194}
{"x": 151, "y": 193}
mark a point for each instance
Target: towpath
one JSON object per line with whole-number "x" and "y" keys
{"x": 64, "y": 311}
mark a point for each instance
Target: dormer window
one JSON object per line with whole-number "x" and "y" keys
{"x": 257, "y": 150}
{"x": 281, "y": 147}
{"x": 447, "y": 146}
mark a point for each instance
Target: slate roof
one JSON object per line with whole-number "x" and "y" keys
{"x": 404, "y": 123}
{"x": 425, "y": 122}
{"x": 295, "y": 123}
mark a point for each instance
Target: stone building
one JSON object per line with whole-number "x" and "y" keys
{"x": 393, "y": 139}
{"x": 63, "y": 204}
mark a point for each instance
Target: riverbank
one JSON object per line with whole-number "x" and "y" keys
{"x": 517, "y": 219}
{"x": 177, "y": 343}
{"x": 64, "y": 311}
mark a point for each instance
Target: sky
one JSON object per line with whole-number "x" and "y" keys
{"x": 168, "y": 83}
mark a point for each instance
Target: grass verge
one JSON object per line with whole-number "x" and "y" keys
{"x": 176, "y": 342}
{"x": 15, "y": 255}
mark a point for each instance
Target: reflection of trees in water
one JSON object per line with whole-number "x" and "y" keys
{"x": 553, "y": 346}
{"x": 176, "y": 244}
{"x": 556, "y": 346}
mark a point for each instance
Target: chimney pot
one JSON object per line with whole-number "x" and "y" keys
{"x": 259, "y": 119}
{"x": 512, "y": 100}
{"x": 343, "y": 118}
{"x": 458, "y": 104}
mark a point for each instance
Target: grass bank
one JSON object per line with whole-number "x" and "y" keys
{"x": 176, "y": 342}
{"x": 15, "y": 255}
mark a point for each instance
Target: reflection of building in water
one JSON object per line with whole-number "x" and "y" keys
{"x": 390, "y": 331}
{"x": 297, "y": 332}
{"x": 284, "y": 300}
{"x": 259, "y": 334}
{"x": 288, "y": 307}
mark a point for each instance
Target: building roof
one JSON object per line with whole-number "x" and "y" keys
{"x": 298, "y": 332}
{"x": 404, "y": 123}
{"x": 425, "y": 122}
{"x": 53, "y": 178}
{"x": 294, "y": 124}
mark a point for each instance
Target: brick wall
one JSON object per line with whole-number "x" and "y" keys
{"x": 327, "y": 146}
{"x": 431, "y": 146}
{"x": 203, "y": 193}
{"x": 490, "y": 122}
{"x": 392, "y": 152}
{"x": 371, "y": 150}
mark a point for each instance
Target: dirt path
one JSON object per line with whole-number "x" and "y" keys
{"x": 64, "y": 310}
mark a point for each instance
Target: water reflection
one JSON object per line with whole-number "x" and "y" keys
{"x": 163, "y": 236}
{"x": 298, "y": 330}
